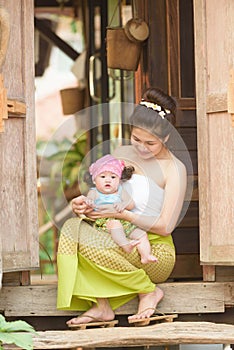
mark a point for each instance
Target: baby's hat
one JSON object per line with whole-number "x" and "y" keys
{"x": 106, "y": 163}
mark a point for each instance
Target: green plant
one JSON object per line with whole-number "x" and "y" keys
{"x": 16, "y": 332}
{"x": 67, "y": 163}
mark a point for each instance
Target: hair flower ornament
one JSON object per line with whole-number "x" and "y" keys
{"x": 161, "y": 111}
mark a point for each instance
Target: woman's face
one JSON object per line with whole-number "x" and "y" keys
{"x": 146, "y": 144}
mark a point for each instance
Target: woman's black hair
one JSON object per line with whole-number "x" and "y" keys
{"x": 126, "y": 175}
{"x": 149, "y": 119}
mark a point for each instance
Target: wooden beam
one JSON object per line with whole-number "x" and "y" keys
{"x": 50, "y": 36}
{"x": 159, "y": 334}
{"x": 182, "y": 298}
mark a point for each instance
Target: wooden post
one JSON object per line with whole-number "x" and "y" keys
{"x": 209, "y": 273}
{"x": 0, "y": 262}
{"x": 230, "y": 96}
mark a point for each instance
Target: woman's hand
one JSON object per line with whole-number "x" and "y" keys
{"x": 105, "y": 211}
{"x": 79, "y": 205}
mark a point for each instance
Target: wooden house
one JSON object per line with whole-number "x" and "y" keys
{"x": 189, "y": 53}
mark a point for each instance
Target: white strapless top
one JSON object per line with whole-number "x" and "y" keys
{"x": 146, "y": 194}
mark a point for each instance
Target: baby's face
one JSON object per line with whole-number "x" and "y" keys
{"x": 107, "y": 182}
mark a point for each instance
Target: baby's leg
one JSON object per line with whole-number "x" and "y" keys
{"x": 118, "y": 235}
{"x": 143, "y": 247}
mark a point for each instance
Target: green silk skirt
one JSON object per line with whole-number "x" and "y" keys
{"x": 91, "y": 265}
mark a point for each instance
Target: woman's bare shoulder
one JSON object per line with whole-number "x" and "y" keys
{"x": 176, "y": 165}
{"x": 122, "y": 151}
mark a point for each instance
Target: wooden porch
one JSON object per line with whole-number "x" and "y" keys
{"x": 180, "y": 297}
{"x": 205, "y": 316}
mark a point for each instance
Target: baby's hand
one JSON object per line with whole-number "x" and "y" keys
{"x": 119, "y": 206}
{"x": 89, "y": 202}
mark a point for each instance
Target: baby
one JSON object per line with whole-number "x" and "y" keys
{"x": 106, "y": 174}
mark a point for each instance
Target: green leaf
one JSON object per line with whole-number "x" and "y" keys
{"x": 3, "y": 322}
{"x": 23, "y": 340}
{"x": 58, "y": 156}
{"x": 16, "y": 326}
{"x": 80, "y": 135}
{"x": 72, "y": 156}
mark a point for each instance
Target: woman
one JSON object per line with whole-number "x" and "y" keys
{"x": 102, "y": 276}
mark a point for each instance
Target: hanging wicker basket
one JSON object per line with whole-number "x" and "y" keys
{"x": 72, "y": 100}
{"x": 121, "y": 52}
{"x": 124, "y": 44}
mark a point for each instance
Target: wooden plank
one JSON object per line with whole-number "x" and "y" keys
{"x": 229, "y": 294}
{"x": 186, "y": 118}
{"x": 186, "y": 240}
{"x": 216, "y": 103}
{"x": 220, "y": 253}
{"x": 15, "y": 261}
{"x": 159, "y": 334}
{"x": 16, "y": 107}
{"x": 30, "y": 135}
{"x": 187, "y": 103}
{"x": 200, "y": 45}
{"x": 11, "y": 279}
{"x": 190, "y": 219}
{"x": 189, "y": 137}
{"x": 187, "y": 297}
{"x": 213, "y": 36}
{"x": 225, "y": 274}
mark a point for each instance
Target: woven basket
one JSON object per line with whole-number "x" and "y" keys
{"x": 72, "y": 100}
{"x": 121, "y": 52}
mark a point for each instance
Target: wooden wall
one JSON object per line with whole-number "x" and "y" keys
{"x": 18, "y": 214}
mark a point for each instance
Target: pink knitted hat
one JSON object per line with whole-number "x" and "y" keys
{"x": 106, "y": 163}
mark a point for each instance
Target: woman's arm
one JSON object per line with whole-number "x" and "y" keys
{"x": 127, "y": 202}
{"x": 175, "y": 187}
{"x": 174, "y": 193}
{"x": 79, "y": 205}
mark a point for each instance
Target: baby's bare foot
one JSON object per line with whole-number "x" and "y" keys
{"x": 148, "y": 259}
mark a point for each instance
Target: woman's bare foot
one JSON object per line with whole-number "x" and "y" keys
{"x": 147, "y": 304}
{"x": 98, "y": 312}
{"x": 148, "y": 259}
